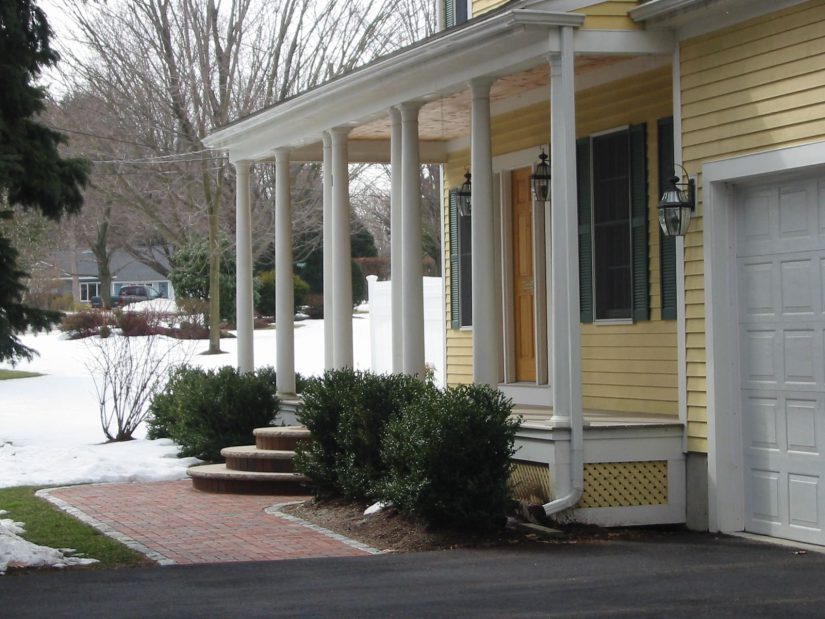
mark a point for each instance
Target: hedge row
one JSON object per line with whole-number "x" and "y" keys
{"x": 441, "y": 455}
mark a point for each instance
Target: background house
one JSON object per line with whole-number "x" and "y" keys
{"x": 76, "y": 274}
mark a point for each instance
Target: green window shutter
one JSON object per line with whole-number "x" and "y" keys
{"x": 667, "y": 244}
{"x": 449, "y": 13}
{"x": 455, "y": 308}
{"x": 585, "y": 229}
{"x": 638, "y": 223}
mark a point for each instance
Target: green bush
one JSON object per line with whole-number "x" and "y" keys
{"x": 265, "y": 305}
{"x": 448, "y": 457}
{"x": 204, "y": 411}
{"x": 346, "y": 412}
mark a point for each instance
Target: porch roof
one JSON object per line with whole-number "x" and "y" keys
{"x": 511, "y": 43}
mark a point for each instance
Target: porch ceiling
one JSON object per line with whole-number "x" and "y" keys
{"x": 448, "y": 118}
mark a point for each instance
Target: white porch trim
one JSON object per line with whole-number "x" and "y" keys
{"x": 329, "y": 286}
{"x": 485, "y": 331}
{"x": 284, "y": 289}
{"x": 413, "y": 285}
{"x": 341, "y": 252}
{"x": 243, "y": 268}
{"x": 396, "y": 216}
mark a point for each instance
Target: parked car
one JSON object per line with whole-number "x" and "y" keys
{"x": 134, "y": 294}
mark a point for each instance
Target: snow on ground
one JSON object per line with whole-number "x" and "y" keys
{"x": 50, "y": 432}
{"x": 17, "y": 552}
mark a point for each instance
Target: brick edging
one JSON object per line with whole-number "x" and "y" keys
{"x": 275, "y": 510}
{"x": 104, "y": 528}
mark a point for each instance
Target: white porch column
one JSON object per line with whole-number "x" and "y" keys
{"x": 341, "y": 252}
{"x": 243, "y": 267}
{"x": 284, "y": 291}
{"x": 564, "y": 314}
{"x": 397, "y": 271}
{"x": 413, "y": 285}
{"x": 329, "y": 290}
{"x": 485, "y": 329}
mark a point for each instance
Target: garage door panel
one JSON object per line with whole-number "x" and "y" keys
{"x": 763, "y": 423}
{"x": 800, "y": 355}
{"x": 799, "y": 287}
{"x": 757, "y": 293}
{"x": 797, "y": 220}
{"x": 803, "y": 435}
{"x": 761, "y": 346}
{"x": 765, "y": 501}
{"x": 780, "y": 245}
{"x": 803, "y": 502}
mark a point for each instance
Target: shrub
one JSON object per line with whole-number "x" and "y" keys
{"x": 127, "y": 373}
{"x": 265, "y": 305}
{"x": 204, "y": 411}
{"x": 448, "y": 457}
{"x": 83, "y": 324}
{"x": 346, "y": 412}
{"x": 134, "y": 324}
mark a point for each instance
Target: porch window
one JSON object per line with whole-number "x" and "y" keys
{"x": 461, "y": 291}
{"x": 612, "y": 188}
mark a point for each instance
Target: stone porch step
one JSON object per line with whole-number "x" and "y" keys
{"x": 283, "y": 438}
{"x": 218, "y": 478}
{"x": 250, "y": 458}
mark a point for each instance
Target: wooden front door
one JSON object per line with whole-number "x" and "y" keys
{"x": 523, "y": 277}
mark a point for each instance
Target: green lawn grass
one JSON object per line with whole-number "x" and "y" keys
{"x": 48, "y": 526}
{"x": 9, "y": 374}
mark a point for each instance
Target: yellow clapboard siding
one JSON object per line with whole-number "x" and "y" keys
{"x": 627, "y": 340}
{"x": 754, "y": 66}
{"x": 750, "y": 127}
{"x": 643, "y": 366}
{"x": 696, "y": 383}
{"x": 649, "y": 327}
{"x": 697, "y": 430}
{"x": 753, "y": 33}
{"x": 699, "y": 445}
{"x": 480, "y": 7}
{"x": 630, "y": 405}
{"x": 754, "y": 142}
{"x": 607, "y": 22}
{"x": 760, "y": 52}
{"x": 747, "y": 88}
{"x": 765, "y": 92}
{"x": 697, "y": 356}
{"x": 650, "y": 353}
{"x": 628, "y": 392}
{"x": 743, "y": 83}
{"x": 697, "y": 398}
{"x": 697, "y": 368}
{"x": 695, "y": 325}
{"x": 668, "y": 381}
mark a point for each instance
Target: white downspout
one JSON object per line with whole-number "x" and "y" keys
{"x": 564, "y": 315}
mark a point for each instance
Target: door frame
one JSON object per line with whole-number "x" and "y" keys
{"x": 726, "y": 484}
{"x": 503, "y": 166}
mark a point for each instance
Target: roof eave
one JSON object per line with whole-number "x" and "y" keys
{"x": 328, "y": 94}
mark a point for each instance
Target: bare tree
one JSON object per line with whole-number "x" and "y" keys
{"x": 127, "y": 373}
{"x": 169, "y": 72}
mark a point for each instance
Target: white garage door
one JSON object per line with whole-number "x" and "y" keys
{"x": 780, "y": 247}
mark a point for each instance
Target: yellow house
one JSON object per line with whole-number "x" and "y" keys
{"x": 662, "y": 379}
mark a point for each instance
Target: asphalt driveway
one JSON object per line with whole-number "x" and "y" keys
{"x": 675, "y": 575}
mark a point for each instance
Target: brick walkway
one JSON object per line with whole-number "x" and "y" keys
{"x": 172, "y": 523}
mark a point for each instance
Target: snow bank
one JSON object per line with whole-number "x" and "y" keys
{"x": 17, "y": 552}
